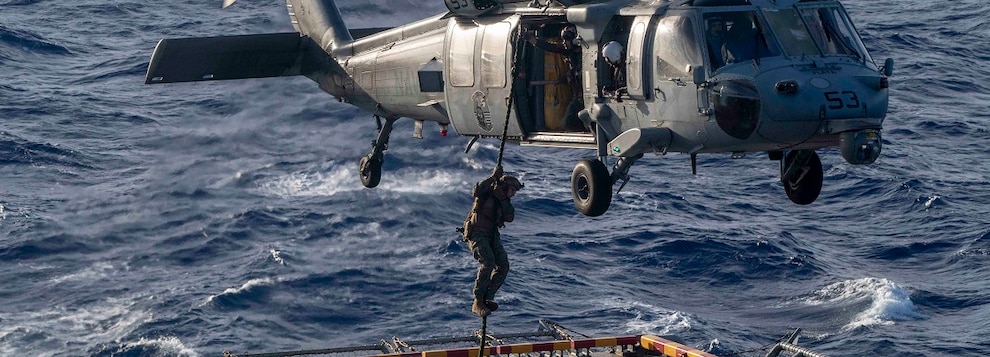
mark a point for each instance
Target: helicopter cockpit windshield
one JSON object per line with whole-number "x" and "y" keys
{"x": 816, "y": 31}
{"x": 819, "y": 30}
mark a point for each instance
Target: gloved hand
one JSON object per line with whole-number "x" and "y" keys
{"x": 497, "y": 172}
{"x": 498, "y": 193}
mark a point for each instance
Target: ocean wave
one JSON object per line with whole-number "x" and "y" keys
{"x": 47, "y": 246}
{"x": 647, "y": 318}
{"x": 252, "y": 292}
{"x": 62, "y": 330}
{"x": 879, "y": 301}
{"x": 168, "y": 346}
{"x": 110, "y": 69}
{"x": 344, "y": 179}
{"x": 912, "y": 250}
{"x": 732, "y": 263}
{"x": 30, "y": 42}
{"x": 17, "y": 150}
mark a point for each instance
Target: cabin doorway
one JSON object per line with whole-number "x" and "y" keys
{"x": 547, "y": 87}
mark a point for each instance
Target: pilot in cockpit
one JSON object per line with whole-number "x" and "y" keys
{"x": 715, "y": 34}
{"x": 742, "y": 40}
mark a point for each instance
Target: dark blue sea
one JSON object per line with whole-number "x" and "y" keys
{"x": 189, "y": 219}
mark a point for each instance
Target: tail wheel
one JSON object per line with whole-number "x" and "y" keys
{"x": 591, "y": 187}
{"x": 806, "y": 184}
{"x": 370, "y": 171}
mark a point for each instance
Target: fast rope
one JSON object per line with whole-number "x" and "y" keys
{"x": 484, "y": 335}
{"x": 517, "y": 37}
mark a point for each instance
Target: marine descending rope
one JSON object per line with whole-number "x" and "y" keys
{"x": 501, "y": 152}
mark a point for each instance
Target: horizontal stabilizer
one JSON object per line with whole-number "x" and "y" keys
{"x": 226, "y": 57}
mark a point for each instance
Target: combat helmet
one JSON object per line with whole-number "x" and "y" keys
{"x": 510, "y": 181}
{"x": 568, "y": 33}
{"x": 613, "y": 53}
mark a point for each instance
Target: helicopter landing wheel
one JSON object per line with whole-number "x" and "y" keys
{"x": 805, "y": 183}
{"x": 370, "y": 171}
{"x": 591, "y": 187}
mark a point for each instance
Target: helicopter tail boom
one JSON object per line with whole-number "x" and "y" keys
{"x": 320, "y": 20}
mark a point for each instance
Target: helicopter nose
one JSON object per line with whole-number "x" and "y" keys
{"x": 847, "y": 101}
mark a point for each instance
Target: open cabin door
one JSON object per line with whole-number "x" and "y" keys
{"x": 476, "y": 80}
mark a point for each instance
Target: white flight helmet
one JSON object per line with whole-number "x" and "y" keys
{"x": 613, "y": 52}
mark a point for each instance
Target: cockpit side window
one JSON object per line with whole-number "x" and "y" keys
{"x": 715, "y": 27}
{"x": 676, "y": 47}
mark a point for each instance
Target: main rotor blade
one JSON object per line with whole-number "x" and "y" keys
{"x": 228, "y": 3}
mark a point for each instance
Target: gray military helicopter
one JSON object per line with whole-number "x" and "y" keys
{"x": 785, "y": 77}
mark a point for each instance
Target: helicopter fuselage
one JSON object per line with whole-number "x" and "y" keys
{"x": 691, "y": 76}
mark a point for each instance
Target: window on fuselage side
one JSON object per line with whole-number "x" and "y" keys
{"x": 493, "y": 48}
{"x": 462, "y": 56}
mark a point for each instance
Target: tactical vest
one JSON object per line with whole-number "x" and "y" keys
{"x": 482, "y": 193}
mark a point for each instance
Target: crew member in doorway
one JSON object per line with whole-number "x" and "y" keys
{"x": 572, "y": 54}
{"x": 491, "y": 210}
{"x": 615, "y": 55}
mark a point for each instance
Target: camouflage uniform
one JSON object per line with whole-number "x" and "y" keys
{"x": 491, "y": 210}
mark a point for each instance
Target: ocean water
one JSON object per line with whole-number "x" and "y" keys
{"x": 189, "y": 219}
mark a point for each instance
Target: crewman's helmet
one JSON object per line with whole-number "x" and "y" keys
{"x": 568, "y": 33}
{"x": 510, "y": 181}
{"x": 613, "y": 52}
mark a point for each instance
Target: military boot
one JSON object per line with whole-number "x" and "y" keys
{"x": 491, "y": 305}
{"x": 480, "y": 309}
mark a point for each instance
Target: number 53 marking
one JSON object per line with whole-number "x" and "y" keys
{"x": 457, "y": 4}
{"x": 844, "y": 99}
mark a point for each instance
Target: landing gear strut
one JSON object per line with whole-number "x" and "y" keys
{"x": 371, "y": 164}
{"x": 802, "y": 176}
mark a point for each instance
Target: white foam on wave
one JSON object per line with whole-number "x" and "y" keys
{"x": 97, "y": 271}
{"x": 345, "y": 179}
{"x": 164, "y": 347}
{"x": 109, "y": 319}
{"x": 113, "y": 320}
{"x": 310, "y": 184}
{"x": 277, "y": 256}
{"x": 888, "y": 301}
{"x": 473, "y": 162}
{"x": 650, "y": 319}
{"x": 244, "y": 287}
{"x": 433, "y": 181}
